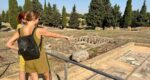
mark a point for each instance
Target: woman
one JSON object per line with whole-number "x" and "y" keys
{"x": 37, "y": 66}
{"x": 21, "y": 21}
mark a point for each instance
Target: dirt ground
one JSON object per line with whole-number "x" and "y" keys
{"x": 120, "y": 37}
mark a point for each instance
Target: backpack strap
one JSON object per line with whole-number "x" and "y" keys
{"x": 40, "y": 45}
{"x": 33, "y": 30}
{"x": 19, "y": 31}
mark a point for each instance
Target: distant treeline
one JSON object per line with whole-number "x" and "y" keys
{"x": 101, "y": 14}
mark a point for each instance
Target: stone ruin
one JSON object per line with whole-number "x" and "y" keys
{"x": 129, "y": 62}
{"x": 78, "y": 46}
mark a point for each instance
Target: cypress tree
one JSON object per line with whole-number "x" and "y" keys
{"x": 45, "y": 8}
{"x": 74, "y": 22}
{"x": 143, "y": 9}
{"x": 64, "y": 17}
{"x": 47, "y": 18}
{"x": 44, "y": 17}
{"x": 108, "y": 17}
{"x": 3, "y": 16}
{"x": 96, "y": 14}
{"x": 28, "y": 5}
{"x": 20, "y": 8}
{"x": 142, "y": 18}
{"x": 0, "y": 18}
{"x": 117, "y": 15}
{"x": 49, "y": 15}
{"x": 13, "y": 13}
{"x": 127, "y": 17}
{"x": 7, "y": 16}
{"x": 136, "y": 18}
{"x": 56, "y": 17}
{"x": 37, "y": 7}
{"x": 0, "y": 21}
{"x": 143, "y": 15}
{"x": 148, "y": 19}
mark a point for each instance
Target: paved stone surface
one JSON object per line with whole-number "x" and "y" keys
{"x": 130, "y": 62}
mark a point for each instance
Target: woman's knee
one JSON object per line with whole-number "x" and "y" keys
{"x": 47, "y": 76}
{"x": 34, "y": 76}
{"x": 21, "y": 75}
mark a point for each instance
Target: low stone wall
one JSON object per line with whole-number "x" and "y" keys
{"x": 142, "y": 44}
{"x": 7, "y": 25}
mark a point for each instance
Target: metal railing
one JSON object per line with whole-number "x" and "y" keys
{"x": 67, "y": 60}
{"x": 7, "y": 64}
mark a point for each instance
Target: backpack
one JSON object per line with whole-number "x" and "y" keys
{"x": 28, "y": 47}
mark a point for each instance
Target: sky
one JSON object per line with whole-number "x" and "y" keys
{"x": 82, "y": 6}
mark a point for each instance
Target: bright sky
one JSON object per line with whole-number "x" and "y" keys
{"x": 82, "y": 5}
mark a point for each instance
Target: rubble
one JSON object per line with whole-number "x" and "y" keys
{"x": 81, "y": 55}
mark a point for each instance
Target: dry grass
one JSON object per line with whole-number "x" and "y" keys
{"x": 120, "y": 36}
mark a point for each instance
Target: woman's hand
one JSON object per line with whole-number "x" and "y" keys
{"x": 67, "y": 38}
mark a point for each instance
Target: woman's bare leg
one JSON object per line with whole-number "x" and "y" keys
{"x": 21, "y": 75}
{"x": 34, "y": 76}
{"x": 47, "y": 76}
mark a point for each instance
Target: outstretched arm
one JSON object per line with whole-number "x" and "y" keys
{"x": 12, "y": 40}
{"x": 46, "y": 33}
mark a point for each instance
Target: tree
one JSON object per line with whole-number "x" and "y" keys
{"x": 45, "y": 8}
{"x": 68, "y": 14}
{"x": 56, "y": 17}
{"x": 37, "y": 7}
{"x": 81, "y": 16}
{"x": 116, "y": 15}
{"x": 0, "y": 17}
{"x": 49, "y": 15}
{"x": 74, "y": 22}
{"x": 127, "y": 17}
{"x": 28, "y": 5}
{"x": 143, "y": 15}
{"x": 44, "y": 17}
{"x": 136, "y": 18}
{"x": 96, "y": 14}
{"x": 108, "y": 16}
{"x": 3, "y": 16}
{"x": 20, "y": 8}
{"x": 47, "y": 18}
{"x": 140, "y": 17}
{"x": 143, "y": 9}
{"x": 64, "y": 17}
{"x": 148, "y": 19}
{"x": 7, "y": 16}
{"x": 13, "y": 13}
